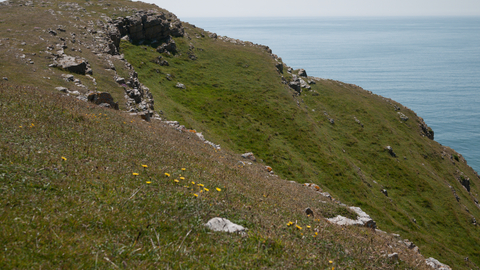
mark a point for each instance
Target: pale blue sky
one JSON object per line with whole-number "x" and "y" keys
{"x": 278, "y": 8}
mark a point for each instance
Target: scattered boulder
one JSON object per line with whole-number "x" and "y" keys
{"x": 390, "y": 151}
{"x": 249, "y": 156}
{"x": 402, "y": 116}
{"x": 302, "y": 73}
{"x": 219, "y": 224}
{"x": 363, "y": 219}
{"x": 180, "y": 85}
{"x": 99, "y": 98}
{"x": 309, "y": 212}
{"x": 68, "y": 77}
{"x": 435, "y": 264}
{"x": 168, "y": 46}
{"x": 466, "y": 183}
{"x": 72, "y": 64}
{"x": 120, "y": 80}
{"x": 279, "y": 66}
{"x": 62, "y": 89}
{"x": 393, "y": 257}
{"x": 5, "y": 78}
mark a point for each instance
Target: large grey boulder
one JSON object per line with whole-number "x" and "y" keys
{"x": 435, "y": 264}
{"x": 219, "y": 224}
{"x": 363, "y": 219}
{"x": 72, "y": 64}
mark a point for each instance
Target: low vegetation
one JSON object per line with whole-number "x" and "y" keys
{"x": 90, "y": 187}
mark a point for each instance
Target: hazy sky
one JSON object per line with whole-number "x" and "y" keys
{"x": 255, "y": 8}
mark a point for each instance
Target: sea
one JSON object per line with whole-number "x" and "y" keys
{"x": 429, "y": 64}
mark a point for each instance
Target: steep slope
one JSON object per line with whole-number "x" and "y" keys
{"x": 234, "y": 92}
{"x": 334, "y": 135}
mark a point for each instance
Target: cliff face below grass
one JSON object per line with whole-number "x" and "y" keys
{"x": 356, "y": 147}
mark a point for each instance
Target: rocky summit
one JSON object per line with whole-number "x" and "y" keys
{"x": 132, "y": 139}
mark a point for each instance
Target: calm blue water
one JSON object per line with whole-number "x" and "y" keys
{"x": 431, "y": 65}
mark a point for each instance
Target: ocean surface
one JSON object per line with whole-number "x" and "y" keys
{"x": 429, "y": 64}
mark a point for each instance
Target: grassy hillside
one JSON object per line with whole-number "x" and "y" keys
{"x": 235, "y": 94}
{"x": 70, "y": 198}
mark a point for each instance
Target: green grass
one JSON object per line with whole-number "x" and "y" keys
{"x": 90, "y": 211}
{"x": 235, "y": 96}
{"x": 70, "y": 199}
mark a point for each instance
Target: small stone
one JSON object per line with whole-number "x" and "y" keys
{"x": 393, "y": 257}
{"x": 5, "y": 78}
{"x": 249, "y": 156}
{"x": 309, "y": 212}
{"x": 62, "y": 89}
{"x": 180, "y": 85}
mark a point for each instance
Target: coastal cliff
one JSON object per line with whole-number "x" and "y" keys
{"x": 91, "y": 91}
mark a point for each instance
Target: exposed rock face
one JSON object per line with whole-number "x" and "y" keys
{"x": 146, "y": 26}
{"x": 295, "y": 84}
{"x": 224, "y": 225}
{"x": 426, "y": 130}
{"x": 302, "y": 73}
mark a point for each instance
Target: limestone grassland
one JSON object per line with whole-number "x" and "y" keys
{"x": 75, "y": 193}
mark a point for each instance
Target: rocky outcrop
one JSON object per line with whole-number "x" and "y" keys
{"x": 426, "y": 130}
{"x": 142, "y": 26}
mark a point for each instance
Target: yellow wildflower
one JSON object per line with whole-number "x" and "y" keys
{"x": 148, "y": 182}
{"x": 200, "y": 185}
{"x": 316, "y": 233}
{"x": 330, "y": 261}
{"x": 135, "y": 173}
{"x": 182, "y": 178}
{"x": 298, "y": 227}
{"x": 64, "y": 158}
{"x": 289, "y": 224}
{"x": 308, "y": 227}
{"x": 194, "y": 194}
{"x": 183, "y": 169}
{"x": 176, "y": 181}
{"x": 193, "y": 183}
{"x": 167, "y": 174}
{"x": 144, "y": 166}
{"x": 218, "y": 189}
